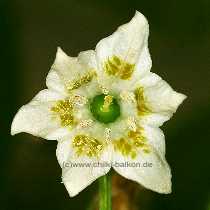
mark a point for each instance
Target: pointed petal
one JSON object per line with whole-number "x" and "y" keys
{"x": 160, "y": 98}
{"x": 126, "y": 53}
{"x": 67, "y": 70}
{"x": 35, "y": 117}
{"x": 79, "y": 169}
{"x": 149, "y": 169}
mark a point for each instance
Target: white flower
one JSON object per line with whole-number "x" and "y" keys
{"x": 105, "y": 106}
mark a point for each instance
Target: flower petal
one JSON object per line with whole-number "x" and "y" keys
{"x": 67, "y": 70}
{"x": 35, "y": 117}
{"x": 155, "y": 138}
{"x": 79, "y": 169}
{"x": 126, "y": 53}
{"x": 149, "y": 169}
{"x": 161, "y": 99}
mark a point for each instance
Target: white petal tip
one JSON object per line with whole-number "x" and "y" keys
{"x": 77, "y": 180}
{"x": 139, "y": 14}
{"x": 183, "y": 97}
{"x": 13, "y": 132}
{"x": 72, "y": 191}
{"x": 140, "y": 17}
{"x": 21, "y": 121}
{"x": 165, "y": 188}
{"x": 60, "y": 54}
{"x": 179, "y": 98}
{"x": 15, "y": 128}
{"x": 59, "y": 50}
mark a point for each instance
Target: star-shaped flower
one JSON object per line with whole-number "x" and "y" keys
{"x": 105, "y": 106}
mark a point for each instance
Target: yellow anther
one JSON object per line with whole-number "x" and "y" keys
{"x": 87, "y": 145}
{"x": 131, "y": 124}
{"x": 132, "y": 144}
{"x": 127, "y": 96}
{"x": 83, "y": 80}
{"x": 86, "y": 123}
{"x": 107, "y": 134}
{"x": 104, "y": 90}
{"x": 142, "y": 105}
{"x": 64, "y": 110}
{"x": 79, "y": 100}
{"x": 116, "y": 66}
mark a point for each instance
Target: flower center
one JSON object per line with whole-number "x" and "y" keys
{"x": 105, "y": 108}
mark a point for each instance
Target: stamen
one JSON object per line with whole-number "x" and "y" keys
{"x": 117, "y": 67}
{"x": 142, "y": 106}
{"x": 107, "y": 102}
{"x": 131, "y": 124}
{"x": 79, "y": 100}
{"x": 105, "y": 91}
{"x": 87, "y": 145}
{"x": 86, "y": 123}
{"x": 130, "y": 145}
{"x": 127, "y": 96}
{"x": 107, "y": 134}
{"x": 81, "y": 81}
{"x": 64, "y": 109}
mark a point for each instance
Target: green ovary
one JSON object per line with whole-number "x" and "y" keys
{"x": 105, "y": 108}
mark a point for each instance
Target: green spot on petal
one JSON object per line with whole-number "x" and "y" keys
{"x": 117, "y": 67}
{"x": 132, "y": 144}
{"x": 64, "y": 109}
{"x": 86, "y": 145}
{"x": 85, "y": 79}
{"x": 141, "y": 102}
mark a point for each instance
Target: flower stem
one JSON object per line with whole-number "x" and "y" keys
{"x": 105, "y": 194}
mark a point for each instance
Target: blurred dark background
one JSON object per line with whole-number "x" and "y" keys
{"x": 30, "y": 32}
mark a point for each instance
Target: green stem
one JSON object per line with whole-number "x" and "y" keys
{"x": 105, "y": 192}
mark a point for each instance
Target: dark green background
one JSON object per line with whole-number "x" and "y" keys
{"x": 30, "y": 31}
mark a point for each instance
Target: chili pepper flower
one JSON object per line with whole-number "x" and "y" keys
{"x": 105, "y": 106}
